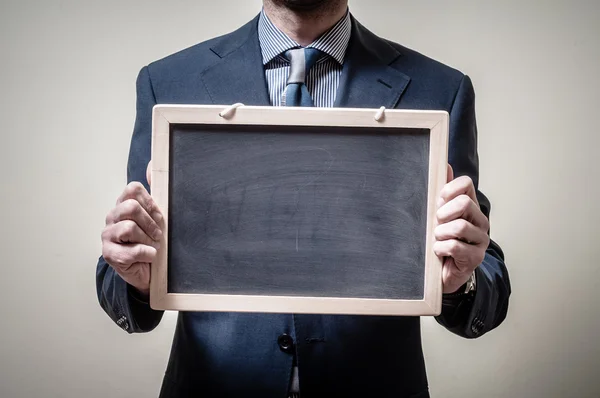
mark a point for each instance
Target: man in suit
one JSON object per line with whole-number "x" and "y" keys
{"x": 280, "y": 355}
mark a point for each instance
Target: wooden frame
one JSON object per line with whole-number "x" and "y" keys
{"x": 435, "y": 121}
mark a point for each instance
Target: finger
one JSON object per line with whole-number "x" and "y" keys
{"x": 452, "y": 277}
{"x": 462, "y": 185}
{"x": 122, "y": 256}
{"x": 149, "y": 173}
{"x": 129, "y": 232}
{"x": 135, "y": 190}
{"x": 449, "y": 173}
{"x": 462, "y": 230}
{"x": 132, "y": 210}
{"x": 462, "y": 207}
{"x": 138, "y": 276}
{"x": 459, "y": 251}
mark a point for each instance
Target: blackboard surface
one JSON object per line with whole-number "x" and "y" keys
{"x": 298, "y": 210}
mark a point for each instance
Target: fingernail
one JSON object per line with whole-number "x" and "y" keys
{"x": 157, "y": 234}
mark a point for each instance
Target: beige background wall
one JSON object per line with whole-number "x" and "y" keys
{"x": 67, "y": 73}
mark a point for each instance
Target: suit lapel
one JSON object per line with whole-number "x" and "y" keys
{"x": 368, "y": 80}
{"x": 239, "y": 74}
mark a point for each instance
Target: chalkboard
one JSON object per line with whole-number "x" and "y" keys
{"x": 297, "y": 210}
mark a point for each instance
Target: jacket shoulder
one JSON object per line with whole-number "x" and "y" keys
{"x": 195, "y": 59}
{"x": 199, "y": 55}
{"x": 419, "y": 64}
{"x": 435, "y": 83}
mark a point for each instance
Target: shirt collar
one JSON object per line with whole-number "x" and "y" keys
{"x": 273, "y": 41}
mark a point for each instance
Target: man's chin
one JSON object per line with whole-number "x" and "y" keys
{"x": 304, "y": 5}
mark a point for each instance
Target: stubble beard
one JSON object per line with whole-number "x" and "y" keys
{"x": 309, "y": 8}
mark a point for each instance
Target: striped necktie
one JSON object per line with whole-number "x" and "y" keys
{"x": 301, "y": 60}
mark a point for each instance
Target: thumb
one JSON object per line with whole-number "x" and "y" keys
{"x": 449, "y": 174}
{"x": 149, "y": 172}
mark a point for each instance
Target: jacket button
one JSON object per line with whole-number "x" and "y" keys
{"x": 477, "y": 326}
{"x": 286, "y": 343}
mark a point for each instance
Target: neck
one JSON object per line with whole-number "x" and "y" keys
{"x": 305, "y": 25}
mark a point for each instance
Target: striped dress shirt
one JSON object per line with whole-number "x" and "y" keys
{"x": 323, "y": 79}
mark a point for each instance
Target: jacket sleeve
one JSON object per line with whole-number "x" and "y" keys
{"x": 116, "y": 297}
{"x": 473, "y": 315}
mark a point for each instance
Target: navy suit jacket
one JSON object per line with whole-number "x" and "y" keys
{"x": 237, "y": 354}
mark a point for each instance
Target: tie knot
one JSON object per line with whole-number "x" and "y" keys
{"x": 301, "y": 60}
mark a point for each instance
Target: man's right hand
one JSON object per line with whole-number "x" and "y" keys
{"x": 131, "y": 236}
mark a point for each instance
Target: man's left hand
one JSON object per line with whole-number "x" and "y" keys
{"x": 462, "y": 231}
